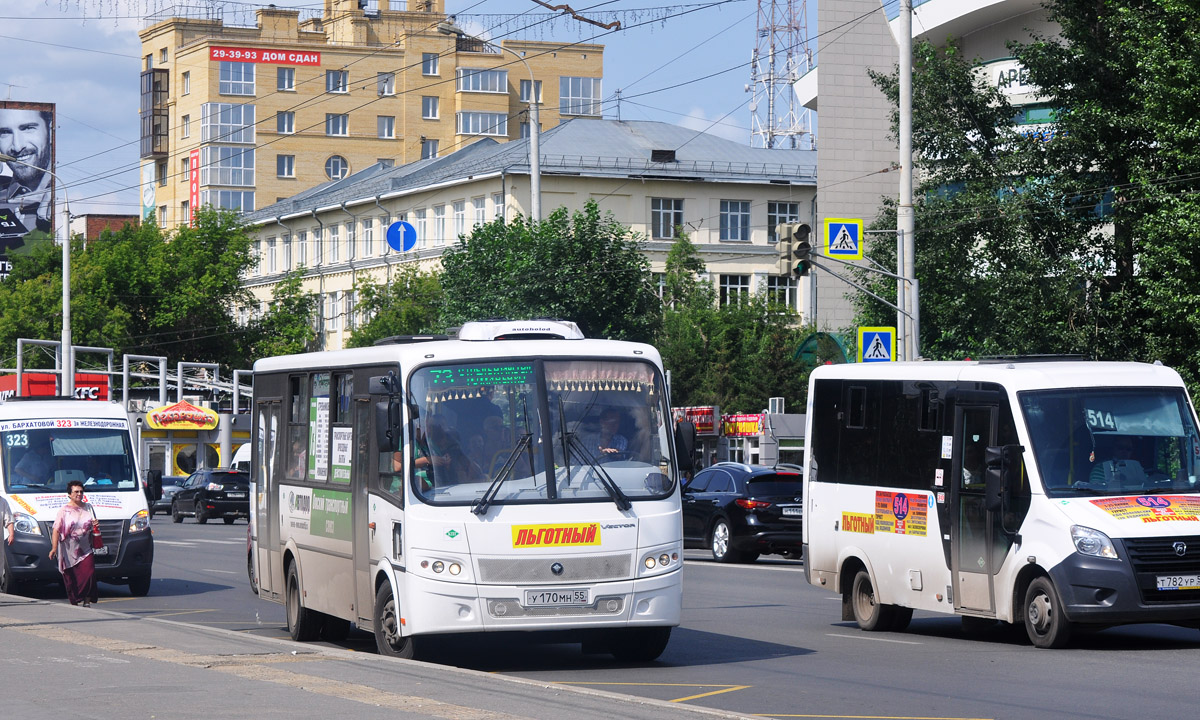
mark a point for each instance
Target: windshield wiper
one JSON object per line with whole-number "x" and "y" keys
{"x": 481, "y": 505}
{"x": 618, "y": 496}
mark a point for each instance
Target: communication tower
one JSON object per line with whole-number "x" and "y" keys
{"x": 781, "y": 57}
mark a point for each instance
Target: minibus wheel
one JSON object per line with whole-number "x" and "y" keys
{"x": 388, "y": 638}
{"x": 870, "y": 614}
{"x": 303, "y": 624}
{"x": 1045, "y": 622}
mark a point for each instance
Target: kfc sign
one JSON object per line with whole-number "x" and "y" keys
{"x": 88, "y": 386}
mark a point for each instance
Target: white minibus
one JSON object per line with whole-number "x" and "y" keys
{"x": 1050, "y": 493}
{"x": 516, "y": 477}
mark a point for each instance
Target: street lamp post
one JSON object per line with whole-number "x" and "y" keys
{"x": 535, "y": 169}
{"x": 68, "y": 365}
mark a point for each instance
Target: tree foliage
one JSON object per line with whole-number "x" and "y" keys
{"x": 287, "y": 328}
{"x": 411, "y": 304}
{"x": 585, "y": 267}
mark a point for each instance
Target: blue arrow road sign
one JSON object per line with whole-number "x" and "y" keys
{"x": 401, "y": 236}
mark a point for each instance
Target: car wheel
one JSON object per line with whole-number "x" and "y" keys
{"x": 229, "y": 520}
{"x": 868, "y": 613}
{"x": 1045, "y": 623}
{"x": 303, "y": 624}
{"x": 721, "y": 543}
{"x": 176, "y": 515}
{"x": 388, "y": 639}
{"x": 200, "y": 516}
{"x": 139, "y": 586}
{"x": 640, "y": 644}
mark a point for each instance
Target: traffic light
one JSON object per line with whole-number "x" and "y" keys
{"x": 801, "y": 250}
{"x": 783, "y": 232}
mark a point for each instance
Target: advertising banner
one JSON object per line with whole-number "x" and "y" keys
{"x": 742, "y": 425}
{"x": 26, "y": 181}
{"x": 264, "y": 55}
{"x": 88, "y": 386}
{"x": 704, "y": 418}
{"x": 193, "y": 186}
{"x": 181, "y": 416}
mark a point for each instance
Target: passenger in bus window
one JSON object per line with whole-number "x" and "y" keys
{"x": 297, "y": 459}
{"x": 35, "y": 466}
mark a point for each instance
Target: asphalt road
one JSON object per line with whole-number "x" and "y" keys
{"x": 756, "y": 640}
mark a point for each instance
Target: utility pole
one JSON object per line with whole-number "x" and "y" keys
{"x": 905, "y": 221}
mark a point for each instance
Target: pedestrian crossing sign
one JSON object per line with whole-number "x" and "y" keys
{"x": 843, "y": 238}
{"x": 876, "y": 344}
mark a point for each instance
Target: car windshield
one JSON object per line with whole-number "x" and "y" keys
{"x": 40, "y": 459}
{"x": 486, "y": 431}
{"x": 1108, "y": 441}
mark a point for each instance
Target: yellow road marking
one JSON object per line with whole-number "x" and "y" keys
{"x": 116, "y": 599}
{"x": 714, "y": 692}
{"x": 723, "y": 688}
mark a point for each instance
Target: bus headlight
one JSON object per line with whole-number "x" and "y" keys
{"x": 23, "y": 523}
{"x": 1092, "y": 542}
{"x": 660, "y": 561}
{"x": 139, "y": 522}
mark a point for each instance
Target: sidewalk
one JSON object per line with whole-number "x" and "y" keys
{"x": 74, "y": 662}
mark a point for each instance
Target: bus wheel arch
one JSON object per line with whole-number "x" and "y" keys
{"x": 1046, "y": 623}
{"x": 389, "y": 635}
{"x": 303, "y": 624}
{"x": 861, "y": 602}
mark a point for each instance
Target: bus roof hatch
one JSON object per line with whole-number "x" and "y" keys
{"x": 520, "y": 330}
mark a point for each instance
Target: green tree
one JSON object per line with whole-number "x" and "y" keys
{"x": 410, "y": 304}
{"x": 288, "y": 327}
{"x": 584, "y": 267}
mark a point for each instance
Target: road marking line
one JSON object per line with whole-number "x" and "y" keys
{"x": 707, "y": 694}
{"x": 869, "y": 717}
{"x": 220, "y": 542}
{"x": 179, "y": 612}
{"x": 184, "y": 543}
{"x": 226, "y": 572}
{"x": 873, "y": 639}
{"x": 723, "y": 688}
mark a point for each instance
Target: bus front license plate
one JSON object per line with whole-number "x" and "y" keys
{"x": 1179, "y": 582}
{"x": 558, "y": 598}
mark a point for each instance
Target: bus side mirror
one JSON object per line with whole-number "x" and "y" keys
{"x": 685, "y": 445}
{"x": 1003, "y": 462}
{"x": 387, "y": 425}
{"x": 154, "y": 484}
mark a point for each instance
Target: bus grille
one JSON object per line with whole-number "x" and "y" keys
{"x": 1151, "y": 557}
{"x": 110, "y": 530}
{"x": 511, "y": 608}
{"x": 521, "y": 571}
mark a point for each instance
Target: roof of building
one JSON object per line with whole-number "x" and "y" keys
{"x": 579, "y": 147}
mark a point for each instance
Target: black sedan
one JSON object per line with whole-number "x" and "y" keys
{"x": 213, "y": 493}
{"x": 743, "y": 511}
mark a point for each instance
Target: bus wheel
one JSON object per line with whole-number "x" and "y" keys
{"x": 388, "y": 639}
{"x": 1045, "y": 623}
{"x": 303, "y": 624}
{"x": 640, "y": 644}
{"x": 869, "y": 614}
{"x": 139, "y": 586}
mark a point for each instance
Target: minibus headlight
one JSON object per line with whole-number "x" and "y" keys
{"x": 23, "y": 523}
{"x": 139, "y": 522}
{"x": 1092, "y": 542}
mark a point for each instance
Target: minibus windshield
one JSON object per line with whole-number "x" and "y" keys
{"x": 46, "y": 459}
{"x": 1112, "y": 441}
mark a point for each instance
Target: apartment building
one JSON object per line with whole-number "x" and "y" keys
{"x": 654, "y": 177}
{"x": 241, "y": 116}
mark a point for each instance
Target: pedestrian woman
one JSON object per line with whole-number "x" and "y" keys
{"x": 71, "y": 542}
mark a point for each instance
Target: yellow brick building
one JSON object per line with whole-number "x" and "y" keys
{"x": 242, "y": 117}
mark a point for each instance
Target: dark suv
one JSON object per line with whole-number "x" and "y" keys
{"x": 213, "y": 493}
{"x": 743, "y": 511}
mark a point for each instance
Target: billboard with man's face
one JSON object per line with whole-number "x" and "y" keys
{"x": 26, "y": 188}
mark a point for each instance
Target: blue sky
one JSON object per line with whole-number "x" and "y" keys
{"x": 685, "y": 63}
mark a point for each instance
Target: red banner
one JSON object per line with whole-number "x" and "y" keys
{"x": 264, "y": 55}
{"x": 704, "y": 418}
{"x": 88, "y": 386}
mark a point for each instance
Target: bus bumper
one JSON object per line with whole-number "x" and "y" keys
{"x": 1106, "y": 591}
{"x": 30, "y": 561}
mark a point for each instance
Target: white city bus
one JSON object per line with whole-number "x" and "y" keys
{"x": 73, "y": 440}
{"x": 1055, "y": 494}
{"x": 447, "y": 485}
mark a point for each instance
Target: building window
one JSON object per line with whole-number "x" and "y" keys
{"x": 429, "y": 149}
{"x": 221, "y": 165}
{"x": 734, "y": 289}
{"x": 460, "y": 218}
{"x": 314, "y": 252}
{"x": 735, "y": 220}
{"x": 236, "y": 78}
{"x": 666, "y": 214}
{"x": 350, "y": 241}
{"x": 525, "y": 128}
{"x": 337, "y": 81}
{"x": 285, "y": 166}
{"x": 578, "y": 96}
{"x": 227, "y": 123}
{"x": 780, "y": 212}
{"x": 386, "y": 82}
{"x": 185, "y": 169}
{"x": 185, "y": 126}
{"x": 162, "y": 215}
{"x": 185, "y": 212}
{"x": 160, "y": 172}
{"x": 480, "y": 206}
{"x": 368, "y": 238}
{"x": 186, "y": 83}
{"x": 429, "y": 107}
{"x": 336, "y": 167}
{"x": 782, "y": 290}
{"x": 498, "y": 206}
{"x": 337, "y": 124}
{"x": 335, "y": 242}
{"x": 481, "y": 123}
{"x": 162, "y": 56}
{"x": 429, "y": 63}
{"x": 285, "y": 79}
{"x": 480, "y": 80}
{"x": 387, "y": 126}
{"x": 238, "y": 200}
{"x": 421, "y": 226}
{"x": 271, "y": 256}
{"x": 285, "y": 122}
{"x": 525, "y": 85}
{"x": 301, "y": 248}
{"x": 439, "y": 224}
{"x": 331, "y": 310}
{"x": 285, "y": 242}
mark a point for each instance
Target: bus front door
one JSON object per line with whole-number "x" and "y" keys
{"x": 266, "y": 518}
{"x": 974, "y": 565}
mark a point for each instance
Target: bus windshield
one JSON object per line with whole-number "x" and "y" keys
{"x": 1108, "y": 441}
{"x": 41, "y": 459}
{"x": 493, "y": 429}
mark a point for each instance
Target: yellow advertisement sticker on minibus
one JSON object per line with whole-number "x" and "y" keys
{"x": 24, "y": 505}
{"x": 544, "y": 536}
{"x": 858, "y": 523}
{"x": 1152, "y": 508}
{"x": 901, "y": 513}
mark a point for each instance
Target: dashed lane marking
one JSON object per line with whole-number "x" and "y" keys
{"x": 872, "y": 639}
